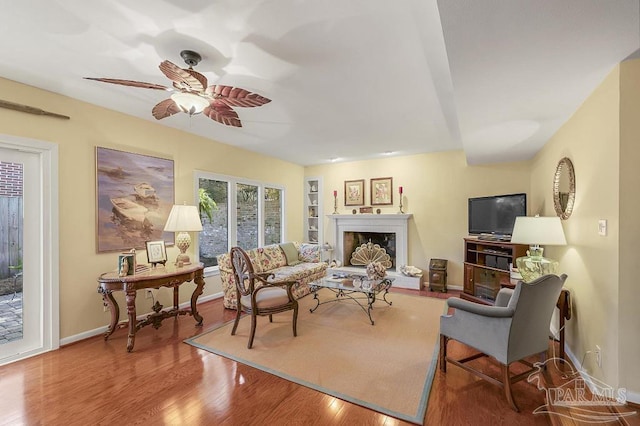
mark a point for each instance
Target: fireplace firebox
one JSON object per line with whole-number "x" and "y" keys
{"x": 353, "y": 240}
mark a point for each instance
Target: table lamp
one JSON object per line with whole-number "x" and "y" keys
{"x": 327, "y": 247}
{"x": 537, "y": 231}
{"x": 183, "y": 219}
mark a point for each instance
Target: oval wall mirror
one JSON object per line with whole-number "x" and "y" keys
{"x": 564, "y": 188}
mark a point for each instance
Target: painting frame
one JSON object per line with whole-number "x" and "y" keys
{"x": 156, "y": 252}
{"x": 134, "y": 195}
{"x": 381, "y": 191}
{"x": 354, "y": 192}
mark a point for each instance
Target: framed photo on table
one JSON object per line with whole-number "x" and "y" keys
{"x": 382, "y": 191}
{"x": 156, "y": 252}
{"x": 354, "y": 192}
{"x": 126, "y": 264}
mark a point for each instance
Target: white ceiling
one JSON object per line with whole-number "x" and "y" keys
{"x": 348, "y": 79}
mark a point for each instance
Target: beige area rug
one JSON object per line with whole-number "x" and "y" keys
{"x": 387, "y": 367}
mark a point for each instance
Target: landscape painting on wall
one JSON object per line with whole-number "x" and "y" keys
{"x": 134, "y": 194}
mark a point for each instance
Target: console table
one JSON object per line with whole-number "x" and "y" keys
{"x": 161, "y": 276}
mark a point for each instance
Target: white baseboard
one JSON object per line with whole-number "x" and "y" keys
{"x": 101, "y": 330}
{"x": 632, "y": 397}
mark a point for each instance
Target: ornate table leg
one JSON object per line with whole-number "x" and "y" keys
{"x": 131, "y": 312}
{"x": 108, "y": 299}
{"x": 199, "y": 280}
{"x": 315, "y": 297}
{"x": 371, "y": 299}
{"x": 384, "y": 296}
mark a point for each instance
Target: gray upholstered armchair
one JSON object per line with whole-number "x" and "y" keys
{"x": 516, "y": 327}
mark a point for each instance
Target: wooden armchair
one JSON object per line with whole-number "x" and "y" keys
{"x": 257, "y": 296}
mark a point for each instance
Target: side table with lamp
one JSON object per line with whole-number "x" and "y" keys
{"x": 326, "y": 247}
{"x": 536, "y": 231}
{"x": 182, "y": 219}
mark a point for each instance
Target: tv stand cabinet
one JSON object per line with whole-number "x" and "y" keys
{"x": 487, "y": 268}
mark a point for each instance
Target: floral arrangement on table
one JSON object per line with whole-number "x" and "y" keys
{"x": 376, "y": 271}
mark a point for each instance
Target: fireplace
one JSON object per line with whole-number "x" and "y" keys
{"x": 353, "y": 240}
{"x": 389, "y": 231}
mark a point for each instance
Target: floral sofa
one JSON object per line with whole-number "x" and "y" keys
{"x": 272, "y": 259}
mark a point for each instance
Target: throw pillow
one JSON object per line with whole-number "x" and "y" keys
{"x": 291, "y": 253}
{"x": 310, "y": 252}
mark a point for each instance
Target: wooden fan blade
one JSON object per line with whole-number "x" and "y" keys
{"x": 131, "y": 83}
{"x": 164, "y": 109}
{"x": 201, "y": 78}
{"x": 222, "y": 113}
{"x": 183, "y": 79}
{"x": 235, "y": 96}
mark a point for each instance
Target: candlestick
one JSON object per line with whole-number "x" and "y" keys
{"x": 335, "y": 202}
{"x": 400, "y": 190}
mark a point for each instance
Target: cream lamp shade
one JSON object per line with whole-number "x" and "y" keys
{"x": 183, "y": 219}
{"x": 536, "y": 231}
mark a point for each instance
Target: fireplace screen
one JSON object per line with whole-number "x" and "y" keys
{"x": 353, "y": 240}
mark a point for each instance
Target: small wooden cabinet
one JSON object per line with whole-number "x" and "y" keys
{"x": 487, "y": 268}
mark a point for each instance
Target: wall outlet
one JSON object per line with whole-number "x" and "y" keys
{"x": 602, "y": 227}
{"x": 148, "y": 294}
{"x": 598, "y": 353}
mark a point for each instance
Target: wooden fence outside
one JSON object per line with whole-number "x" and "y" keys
{"x": 10, "y": 235}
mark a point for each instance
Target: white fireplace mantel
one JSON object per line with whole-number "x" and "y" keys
{"x": 383, "y": 223}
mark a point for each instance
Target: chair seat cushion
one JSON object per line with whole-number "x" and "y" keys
{"x": 267, "y": 298}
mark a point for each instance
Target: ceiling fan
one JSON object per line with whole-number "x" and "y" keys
{"x": 191, "y": 94}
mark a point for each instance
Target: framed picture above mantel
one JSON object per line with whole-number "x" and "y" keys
{"x": 354, "y": 192}
{"x": 382, "y": 191}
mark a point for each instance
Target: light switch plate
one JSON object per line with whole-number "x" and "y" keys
{"x": 602, "y": 227}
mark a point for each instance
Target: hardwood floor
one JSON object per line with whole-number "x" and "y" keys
{"x": 165, "y": 381}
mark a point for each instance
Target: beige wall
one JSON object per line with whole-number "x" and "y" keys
{"x": 629, "y": 287}
{"x": 91, "y": 126}
{"x": 436, "y": 188}
{"x": 598, "y": 278}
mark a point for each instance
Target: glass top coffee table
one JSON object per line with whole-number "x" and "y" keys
{"x": 354, "y": 287}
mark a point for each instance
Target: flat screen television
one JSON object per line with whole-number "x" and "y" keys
{"x": 496, "y": 214}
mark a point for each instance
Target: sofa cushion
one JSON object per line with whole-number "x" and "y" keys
{"x": 297, "y": 272}
{"x": 291, "y": 253}
{"x": 309, "y": 252}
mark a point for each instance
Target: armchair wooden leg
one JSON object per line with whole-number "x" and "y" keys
{"x": 443, "y": 353}
{"x": 295, "y": 321}
{"x": 270, "y": 318}
{"x": 253, "y": 330}
{"x": 235, "y": 324}
{"x": 506, "y": 377}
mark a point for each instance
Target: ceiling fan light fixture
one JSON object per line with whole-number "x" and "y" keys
{"x": 189, "y": 103}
